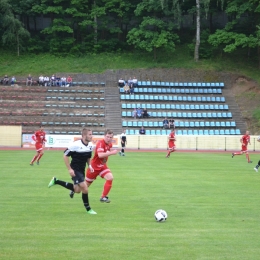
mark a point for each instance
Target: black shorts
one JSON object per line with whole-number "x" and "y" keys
{"x": 122, "y": 144}
{"x": 79, "y": 177}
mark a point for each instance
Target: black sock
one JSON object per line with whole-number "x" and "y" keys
{"x": 123, "y": 150}
{"x": 64, "y": 184}
{"x": 85, "y": 201}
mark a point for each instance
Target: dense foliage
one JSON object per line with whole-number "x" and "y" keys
{"x": 80, "y": 27}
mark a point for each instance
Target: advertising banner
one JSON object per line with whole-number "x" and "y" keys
{"x": 61, "y": 141}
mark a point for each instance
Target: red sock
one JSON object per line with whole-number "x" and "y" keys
{"x": 107, "y": 187}
{"x": 39, "y": 157}
{"x": 34, "y": 158}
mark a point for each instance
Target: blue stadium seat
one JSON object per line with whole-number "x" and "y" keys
{"x": 158, "y": 132}
{"x": 155, "y": 124}
{"x": 233, "y": 124}
{"x": 201, "y": 132}
{"x": 202, "y": 107}
{"x": 197, "y": 124}
{"x": 129, "y": 123}
{"x": 181, "y": 124}
{"x": 150, "y": 124}
{"x": 145, "y": 124}
{"x": 184, "y": 132}
{"x": 202, "y": 124}
{"x": 189, "y": 115}
{"x": 123, "y": 113}
{"x": 189, "y": 99}
{"x": 209, "y": 91}
{"x": 221, "y": 132}
{"x": 164, "y": 132}
{"x": 232, "y": 131}
{"x": 211, "y": 107}
{"x": 211, "y": 132}
{"x": 227, "y": 132}
{"x": 134, "y": 124}
{"x": 175, "y": 98}
{"x": 168, "y": 106}
{"x": 216, "y": 132}
{"x": 238, "y": 132}
{"x": 131, "y": 132}
{"x": 206, "y": 132}
{"x": 222, "y": 99}
{"x": 217, "y": 124}
{"x": 199, "y": 99}
{"x": 222, "y": 124}
{"x": 192, "y": 124}
{"x": 229, "y": 115}
{"x": 152, "y": 132}
{"x": 207, "y": 124}
{"x": 124, "y": 123}
{"x": 148, "y": 132}
{"x": 212, "y": 124}
{"x": 225, "y": 107}
{"x": 124, "y": 105}
{"x": 186, "y": 124}
{"x": 122, "y": 97}
{"x": 195, "y": 132}
{"x": 227, "y": 124}
{"x": 128, "y": 114}
{"x": 139, "y": 123}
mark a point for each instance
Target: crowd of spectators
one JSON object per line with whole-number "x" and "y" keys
{"x": 140, "y": 113}
{"x": 128, "y": 85}
{"x": 42, "y": 81}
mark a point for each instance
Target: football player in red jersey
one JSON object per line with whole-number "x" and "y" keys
{"x": 39, "y": 138}
{"x": 245, "y": 140}
{"x": 98, "y": 164}
{"x": 171, "y": 144}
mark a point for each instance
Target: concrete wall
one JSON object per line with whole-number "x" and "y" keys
{"x": 11, "y": 136}
{"x": 219, "y": 143}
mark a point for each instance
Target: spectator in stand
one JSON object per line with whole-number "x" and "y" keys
{"x": 126, "y": 89}
{"x": 145, "y": 113}
{"x": 130, "y": 82}
{"x": 46, "y": 81}
{"x": 53, "y": 80}
{"x": 134, "y": 114}
{"x": 132, "y": 89}
{"x": 58, "y": 81}
{"x": 69, "y": 81}
{"x": 13, "y": 80}
{"x": 135, "y": 82}
{"x": 41, "y": 81}
{"x": 142, "y": 131}
{"x": 139, "y": 112}
{"x": 165, "y": 123}
{"x": 29, "y": 80}
{"x": 5, "y": 80}
{"x": 63, "y": 81}
{"x": 171, "y": 123}
{"x": 121, "y": 83}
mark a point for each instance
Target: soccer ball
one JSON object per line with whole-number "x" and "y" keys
{"x": 160, "y": 215}
{"x": 258, "y": 138}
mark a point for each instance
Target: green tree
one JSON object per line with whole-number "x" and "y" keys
{"x": 14, "y": 32}
{"x": 242, "y": 31}
{"x": 151, "y": 35}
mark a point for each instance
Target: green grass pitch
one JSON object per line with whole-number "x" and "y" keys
{"x": 212, "y": 201}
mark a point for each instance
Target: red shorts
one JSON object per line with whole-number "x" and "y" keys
{"x": 243, "y": 148}
{"x": 38, "y": 147}
{"x": 171, "y": 145}
{"x": 91, "y": 176}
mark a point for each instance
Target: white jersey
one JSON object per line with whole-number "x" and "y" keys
{"x": 80, "y": 153}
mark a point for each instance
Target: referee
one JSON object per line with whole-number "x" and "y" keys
{"x": 123, "y": 143}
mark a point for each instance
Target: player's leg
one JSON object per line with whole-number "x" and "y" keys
{"x": 39, "y": 157}
{"x": 84, "y": 189}
{"x": 123, "y": 149}
{"x": 248, "y": 158}
{"x": 34, "y": 158}
{"x": 257, "y": 166}
{"x": 108, "y": 176}
{"x": 67, "y": 185}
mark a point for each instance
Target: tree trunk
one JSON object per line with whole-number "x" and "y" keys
{"x": 197, "y": 45}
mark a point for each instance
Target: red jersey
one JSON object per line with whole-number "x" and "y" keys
{"x": 171, "y": 142}
{"x": 245, "y": 139}
{"x": 96, "y": 162}
{"x": 39, "y": 137}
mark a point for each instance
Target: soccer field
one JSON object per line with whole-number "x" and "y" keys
{"x": 212, "y": 201}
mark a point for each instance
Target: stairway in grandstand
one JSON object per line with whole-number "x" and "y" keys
{"x": 113, "y": 108}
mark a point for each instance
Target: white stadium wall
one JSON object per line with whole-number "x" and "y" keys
{"x": 11, "y": 136}
{"x": 183, "y": 142}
